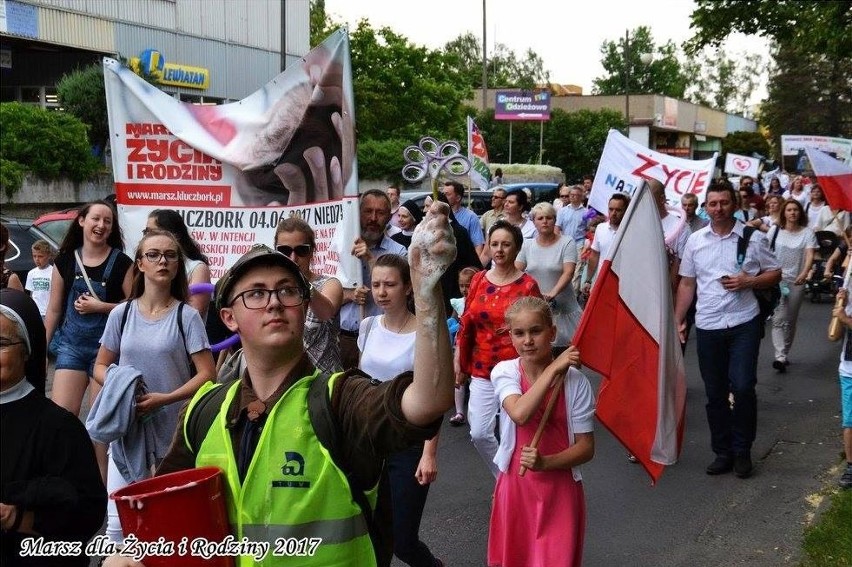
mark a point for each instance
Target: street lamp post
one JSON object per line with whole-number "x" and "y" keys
{"x": 646, "y": 59}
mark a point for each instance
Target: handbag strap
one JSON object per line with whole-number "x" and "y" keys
{"x": 83, "y": 272}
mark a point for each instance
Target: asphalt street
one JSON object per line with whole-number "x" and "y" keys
{"x": 688, "y": 518}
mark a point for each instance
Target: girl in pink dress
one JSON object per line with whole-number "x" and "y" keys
{"x": 538, "y": 520}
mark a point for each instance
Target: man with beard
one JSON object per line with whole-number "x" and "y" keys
{"x": 375, "y": 209}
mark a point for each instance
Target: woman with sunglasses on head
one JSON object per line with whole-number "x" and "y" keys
{"x": 197, "y": 264}
{"x": 295, "y": 239}
{"x": 162, "y": 337}
{"x": 90, "y": 255}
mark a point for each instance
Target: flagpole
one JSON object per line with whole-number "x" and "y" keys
{"x": 551, "y": 402}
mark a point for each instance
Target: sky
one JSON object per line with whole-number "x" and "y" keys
{"x": 567, "y": 35}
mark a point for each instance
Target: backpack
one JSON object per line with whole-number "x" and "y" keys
{"x": 322, "y": 420}
{"x": 767, "y": 298}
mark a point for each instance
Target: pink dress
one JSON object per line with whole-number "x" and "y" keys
{"x": 538, "y": 520}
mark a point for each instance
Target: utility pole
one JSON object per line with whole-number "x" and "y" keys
{"x": 627, "y": 80}
{"x": 484, "y": 63}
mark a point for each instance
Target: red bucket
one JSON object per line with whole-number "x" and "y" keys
{"x": 164, "y": 514}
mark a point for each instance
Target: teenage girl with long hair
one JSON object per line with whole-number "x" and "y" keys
{"x": 90, "y": 255}
{"x": 149, "y": 338}
{"x": 197, "y": 264}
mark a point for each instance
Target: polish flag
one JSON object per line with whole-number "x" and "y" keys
{"x": 627, "y": 334}
{"x": 835, "y": 177}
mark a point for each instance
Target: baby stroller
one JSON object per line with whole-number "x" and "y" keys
{"x": 818, "y": 285}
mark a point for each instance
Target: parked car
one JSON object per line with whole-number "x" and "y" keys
{"x": 55, "y": 224}
{"x": 541, "y": 192}
{"x": 477, "y": 200}
{"x": 22, "y": 235}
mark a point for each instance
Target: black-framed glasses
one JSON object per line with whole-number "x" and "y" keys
{"x": 6, "y": 344}
{"x": 301, "y": 250}
{"x": 497, "y": 197}
{"x": 259, "y": 298}
{"x": 564, "y": 196}
{"x": 154, "y": 257}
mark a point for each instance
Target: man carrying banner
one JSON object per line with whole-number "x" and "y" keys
{"x": 375, "y": 212}
{"x": 728, "y": 324}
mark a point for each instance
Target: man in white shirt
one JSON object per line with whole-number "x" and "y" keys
{"x": 728, "y": 324}
{"x": 604, "y": 235}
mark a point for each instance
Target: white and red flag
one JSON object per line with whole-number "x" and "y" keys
{"x": 834, "y": 176}
{"x": 627, "y": 334}
{"x": 477, "y": 154}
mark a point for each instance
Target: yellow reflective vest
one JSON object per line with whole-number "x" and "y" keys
{"x": 294, "y": 497}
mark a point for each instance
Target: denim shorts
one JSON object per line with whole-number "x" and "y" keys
{"x": 846, "y": 399}
{"x": 76, "y": 355}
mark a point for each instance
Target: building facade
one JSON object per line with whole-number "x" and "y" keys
{"x": 206, "y": 51}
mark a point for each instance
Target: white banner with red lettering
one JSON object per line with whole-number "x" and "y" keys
{"x": 740, "y": 165}
{"x": 624, "y": 164}
{"x": 235, "y": 170}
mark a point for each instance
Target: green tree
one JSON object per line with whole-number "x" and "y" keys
{"x": 810, "y": 91}
{"x": 81, "y": 92}
{"x": 505, "y": 69}
{"x": 721, "y": 81}
{"x": 745, "y": 144}
{"x": 809, "y": 94}
{"x": 404, "y": 91}
{"x": 46, "y": 143}
{"x": 321, "y": 24}
{"x": 817, "y": 26}
{"x": 663, "y": 75}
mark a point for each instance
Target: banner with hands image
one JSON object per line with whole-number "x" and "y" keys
{"x": 235, "y": 170}
{"x": 624, "y": 164}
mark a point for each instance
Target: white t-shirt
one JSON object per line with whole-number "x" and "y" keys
{"x": 604, "y": 235}
{"x": 545, "y": 265}
{"x": 579, "y": 403}
{"x": 384, "y": 354}
{"x": 790, "y": 250}
{"x": 813, "y": 211}
{"x": 802, "y": 197}
{"x": 38, "y": 284}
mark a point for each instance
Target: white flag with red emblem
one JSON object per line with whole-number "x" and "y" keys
{"x": 477, "y": 154}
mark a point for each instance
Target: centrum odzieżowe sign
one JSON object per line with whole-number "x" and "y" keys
{"x": 522, "y": 105}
